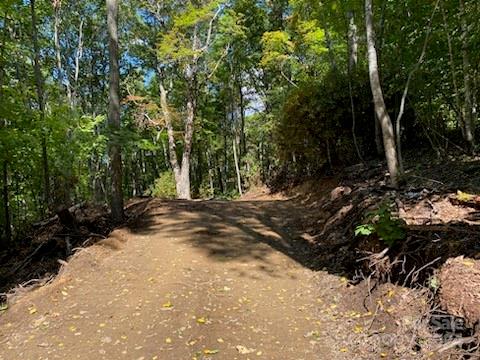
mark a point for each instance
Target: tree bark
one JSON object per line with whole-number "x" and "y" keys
{"x": 181, "y": 171}
{"x": 237, "y": 167}
{"x": 6, "y": 205}
{"x": 116, "y": 192}
{"x": 78, "y": 57}
{"x": 467, "y": 106}
{"x": 352, "y": 41}
{"x": 210, "y": 174}
{"x": 183, "y": 185}
{"x": 5, "y": 188}
{"x": 243, "y": 140}
{"x": 352, "y": 64}
{"x": 39, "y": 84}
{"x": 453, "y": 71}
{"x": 58, "y": 53}
{"x": 379, "y": 102}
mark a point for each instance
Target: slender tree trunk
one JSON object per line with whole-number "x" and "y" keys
{"x": 62, "y": 77}
{"x": 181, "y": 171}
{"x": 243, "y": 140}
{"x": 78, "y": 57}
{"x": 379, "y": 102}
{"x": 165, "y": 154}
{"x": 5, "y": 189}
{"x": 453, "y": 71}
{"x": 352, "y": 42}
{"x": 172, "y": 146}
{"x": 183, "y": 186}
{"x": 210, "y": 173}
{"x": 39, "y": 83}
{"x": 398, "y": 128}
{"x": 329, "y": 156}
{"x": 352, "y": 64}
{"x": 6, "y": 205}
{"x": 219, "y": 174}
{"x": 467, "y": 108}
{"x": 237, "y": 167}
{"x": 116, "y": 195}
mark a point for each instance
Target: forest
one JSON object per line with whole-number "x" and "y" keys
{"x": 319, "y": 151}
{"x": 210, "y": 97}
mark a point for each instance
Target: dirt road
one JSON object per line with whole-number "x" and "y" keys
{"x": 190, "y": 280}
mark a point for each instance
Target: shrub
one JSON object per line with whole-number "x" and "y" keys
{"x": 381, "y": 222}
{"x": 164, "y": 187}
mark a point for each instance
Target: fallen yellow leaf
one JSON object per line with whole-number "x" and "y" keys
{"x": 167, "y": 305}
{"x": 210, "y": 352}
{"x": 357, "y": 329}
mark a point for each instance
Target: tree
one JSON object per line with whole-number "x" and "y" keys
{"x": 39, "y": 84}
{"x": 379, "y": 102}
{"x": 116, "y": 196}
{"x": 187, "y": 44}
{"x": 467, "y": 110}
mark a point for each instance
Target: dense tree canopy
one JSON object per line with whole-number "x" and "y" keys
{"x": 217, "y": 95}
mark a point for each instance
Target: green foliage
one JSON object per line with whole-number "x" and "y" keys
{"x": 315, "y": 120}
{"x": 383, "y": 224}
{"x": 268, "y": 59}
{"x": 277, "y": 48}
{"x": 364, "y": 230}
{"x": 164, "y": 186}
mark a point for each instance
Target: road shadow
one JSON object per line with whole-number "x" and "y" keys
{"x": 225, "y": 231}
{"x": 316, "y": 228}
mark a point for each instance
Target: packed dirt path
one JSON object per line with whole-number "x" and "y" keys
{"x": 189, "y": 280}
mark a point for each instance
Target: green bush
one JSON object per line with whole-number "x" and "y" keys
{"x": 164, "y": 186}
{"x": 384, "y": 225}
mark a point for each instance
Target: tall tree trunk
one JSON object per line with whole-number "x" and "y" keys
{"x": 398, "y": 128}
{"x": 78, "y": 57}
{"x": 5, "y": 188}
{"x": 183, "y": 185}
{"x": 62, "y": 77}
{"x": 451, "y": 60}
{"x": 210, "y": 174}
{"x": 352, "y": 42}
{"x": 467, "y": 107}
{"x": 6, "y": 204}
{"x": 181, "y": 171}
{"x": 39, "y": 84}
{"x": 116, "y": 192}
{"x": 237, "y": 166}
{"x": 379, "y": 102}
{"x": 172, "y": 146}
{"x": 243, "y": 140}
{"x": 352, "y": 64}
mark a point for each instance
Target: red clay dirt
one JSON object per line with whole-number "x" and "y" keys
{"x": 190, "y": 280}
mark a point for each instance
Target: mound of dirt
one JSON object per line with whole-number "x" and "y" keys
{"x": 36, "y": 258}
{"x": 459, "y": 292}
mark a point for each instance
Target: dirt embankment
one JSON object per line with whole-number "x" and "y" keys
{"x": 410, "y": 257}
